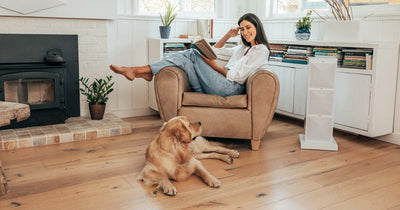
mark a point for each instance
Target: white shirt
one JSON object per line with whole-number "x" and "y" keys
{"x": 242, "y": 66}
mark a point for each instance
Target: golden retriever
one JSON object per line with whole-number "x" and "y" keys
{"x": 173, "y": 154}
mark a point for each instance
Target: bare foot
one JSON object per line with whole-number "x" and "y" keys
{"x": 146, "y": 76}
{"x": 128, "y": 72}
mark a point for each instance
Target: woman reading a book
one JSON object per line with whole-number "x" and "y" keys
{"x": 204, "y": 75}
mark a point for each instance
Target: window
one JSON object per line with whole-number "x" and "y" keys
{"x": 187, "y": 7}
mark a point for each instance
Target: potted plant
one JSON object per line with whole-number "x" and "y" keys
{"x": 170, "y": 14}
{"x": 303, "y": 27}
{"x": 96, "y": 94}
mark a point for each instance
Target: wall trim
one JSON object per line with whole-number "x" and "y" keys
{"x": 393, "y": 138}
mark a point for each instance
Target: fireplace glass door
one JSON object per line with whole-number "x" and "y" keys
{"x": 29, "y": 91}
{"x": 39, "y": 90}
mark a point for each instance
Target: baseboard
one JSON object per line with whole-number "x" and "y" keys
{"x": 393, "y": 138}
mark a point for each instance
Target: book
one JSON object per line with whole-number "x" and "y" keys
{"x": 205, "y": 49}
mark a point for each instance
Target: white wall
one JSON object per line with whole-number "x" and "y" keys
{"x": 90, "y": 9}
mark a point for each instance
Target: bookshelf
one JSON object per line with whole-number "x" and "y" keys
{"x": 158, "y": 47}
{"x": 365, "y": 90}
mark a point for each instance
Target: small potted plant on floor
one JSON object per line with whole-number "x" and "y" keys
{"x": 303, "y": 27}
{"x": 170, "y": 14}
{"x": 96, "y": 94}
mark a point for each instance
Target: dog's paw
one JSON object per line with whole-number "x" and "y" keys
{"x": 227, "y": 159}
{"x": 234, "y": 153}
{"x": 169, "y": 189}
{"x": 213, "y": 182}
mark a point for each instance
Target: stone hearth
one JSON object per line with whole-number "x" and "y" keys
{"x": 74, "y": 129}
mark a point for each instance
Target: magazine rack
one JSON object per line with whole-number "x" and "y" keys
{"x": 320, "y": 105}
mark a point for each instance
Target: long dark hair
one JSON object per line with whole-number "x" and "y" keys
{"x": 261, "y": 38}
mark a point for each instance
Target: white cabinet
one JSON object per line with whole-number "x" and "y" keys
{"x": 286, "y": 81}
{"x": 352, "y": 100}
{"x": 300, "y": 91}
{"x": 364, "y": 99}
{"x": 293, "y": 88}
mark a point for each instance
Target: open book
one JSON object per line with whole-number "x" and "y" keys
{"x": 204, "y": 48}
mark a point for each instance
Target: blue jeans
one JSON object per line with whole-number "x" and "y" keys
{"x": 202, "y": 77}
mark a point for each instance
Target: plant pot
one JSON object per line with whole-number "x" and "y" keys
{"x": 164, "y": 32}
{"x": 97, "y": 111}
{"x": 302, "y": 34}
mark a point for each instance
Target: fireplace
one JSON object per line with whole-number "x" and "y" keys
{"x": 50, "y": 87}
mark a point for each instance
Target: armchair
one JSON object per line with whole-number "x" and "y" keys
{"x": 245, "y": 116}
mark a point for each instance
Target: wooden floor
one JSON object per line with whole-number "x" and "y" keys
{"x": 101, "y": 174}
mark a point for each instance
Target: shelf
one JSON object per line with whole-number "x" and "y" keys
{"x": 292, "y": 65}
{"x": 326, "y": 44}
{"x": 354, "y": 71}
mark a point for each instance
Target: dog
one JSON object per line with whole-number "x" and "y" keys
{"x": 175, "y": 152}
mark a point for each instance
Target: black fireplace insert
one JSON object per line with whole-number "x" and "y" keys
{"x": 50, "y": 86}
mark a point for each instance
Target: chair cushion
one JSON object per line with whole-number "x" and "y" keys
{"x": 206, "y": 100}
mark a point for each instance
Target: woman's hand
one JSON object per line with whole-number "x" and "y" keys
{"x": 214, "y": 65}
{"x": 210, "y": 62}
{"x": 233, "y": 32}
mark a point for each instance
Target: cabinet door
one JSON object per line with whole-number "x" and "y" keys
{"x": 300, "y": 91}
{"x": 286, "y": 83}
{"x": 352, "y": 100}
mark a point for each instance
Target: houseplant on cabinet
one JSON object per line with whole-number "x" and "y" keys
{"x": 170, "y": 14}
{"x": 96, "y": 94}
{"x": 303, "y": 27}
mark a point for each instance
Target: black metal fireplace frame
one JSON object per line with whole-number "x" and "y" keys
{"x": 25, "y": 54}
{"x": 36, "y": 71}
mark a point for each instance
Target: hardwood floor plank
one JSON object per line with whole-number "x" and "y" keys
{"x": 342, "y": 191}
{"x": 373, "y": 200}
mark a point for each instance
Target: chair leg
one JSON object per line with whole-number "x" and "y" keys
{"x": 255, "y": 144}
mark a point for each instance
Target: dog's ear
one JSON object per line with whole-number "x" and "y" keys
{"x": 182, "y": 133}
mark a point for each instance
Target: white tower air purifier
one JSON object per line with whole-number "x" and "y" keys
{"x": 320, "y": 105}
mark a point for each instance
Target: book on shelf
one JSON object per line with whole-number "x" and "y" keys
{"x": 174, "y": 47}
{"x": 303, "y": 51}
{"x": 357, "y": 58}
{"x": 205, "y": 49}
{"x": 325, "y": 49}
{"x": 280, "y": 47}
{"x": 368, "y": 61}
{"x": 296, "y": 61}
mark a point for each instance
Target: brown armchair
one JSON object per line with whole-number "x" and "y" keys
{"x": 244, "y": 116}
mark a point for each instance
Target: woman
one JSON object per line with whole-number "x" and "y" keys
{"x": 204, "y": 75}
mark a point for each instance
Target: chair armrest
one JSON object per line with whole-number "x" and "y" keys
{"x": 169, "y": 85}
{"x": 262, "y": 95}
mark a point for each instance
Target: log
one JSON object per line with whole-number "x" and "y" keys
{"x": 3, "y": 182}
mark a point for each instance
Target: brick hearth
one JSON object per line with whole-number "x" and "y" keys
{"x": 75, "y": 129}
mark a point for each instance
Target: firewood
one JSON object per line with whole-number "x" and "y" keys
{"x": 3, "y": 182}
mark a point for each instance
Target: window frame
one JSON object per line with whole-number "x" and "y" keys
{"x": 181, "y": 14}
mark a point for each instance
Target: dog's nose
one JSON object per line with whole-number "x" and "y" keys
{"x": 199, "y": 123}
